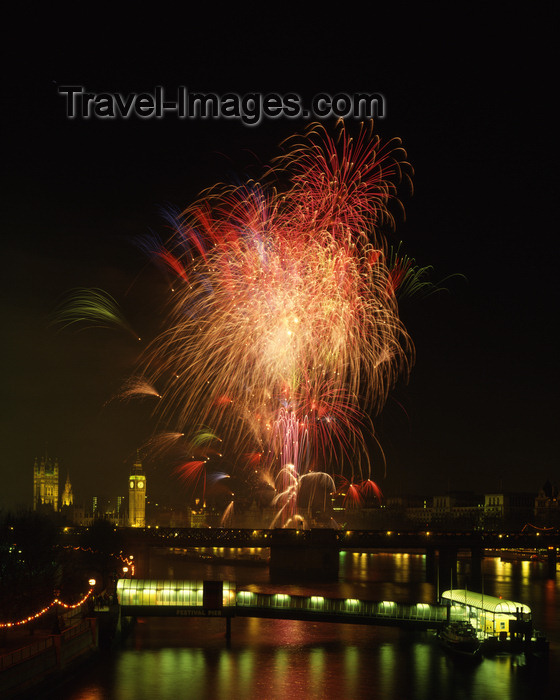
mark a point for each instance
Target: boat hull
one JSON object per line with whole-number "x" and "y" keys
{"x": 460, "y": 639}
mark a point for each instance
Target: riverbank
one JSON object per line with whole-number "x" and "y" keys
{"x": 29, "y": 662}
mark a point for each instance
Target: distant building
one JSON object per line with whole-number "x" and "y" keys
{"x": 507, "y": 509}
{"x": 161, "y": 513}
{"x": 67, "y": 499}
{"x": 547, "y": 505}
{"x": 459, "y": 510}
{"x": 137, "y": 495}
{"x": 76, "y": 514}
{"x": 110, "y": 508}
{"x": 45, "y": 483}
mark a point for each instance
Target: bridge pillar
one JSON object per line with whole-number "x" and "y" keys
{"x": 551, "y": 558}
{"x": 228, "y": 628}
{"x": 441, "y": 566}
{"x": 431, "y": 565}
{"x": 475, "y": 579}
{"x": 304, "y": 555}
{"x": 447, "y": 567}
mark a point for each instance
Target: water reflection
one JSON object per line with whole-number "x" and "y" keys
{"x": 317, "y": 666}
{"x": 267, "y": 659}
{"x": 386, "y": 670}
{"x": 351, "y": 670}
{"x": 246, "y": 667}
{"x": 422, "y": 661}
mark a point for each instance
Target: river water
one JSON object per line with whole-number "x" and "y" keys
{"x": 171, "y": 659}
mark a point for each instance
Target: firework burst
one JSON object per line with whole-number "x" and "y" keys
{"x": 283, "y": 333}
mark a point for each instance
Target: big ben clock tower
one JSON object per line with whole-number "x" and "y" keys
{"x": 137, "y": 495}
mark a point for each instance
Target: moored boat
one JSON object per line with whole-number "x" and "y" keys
{"x": 460, "y": 638}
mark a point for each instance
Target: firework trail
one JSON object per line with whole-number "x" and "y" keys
{"x": 93, "y": 307}
{"x": 136, "y": 387}
{"x": 283, "y": 333}
{"x": 407, "y": 279}
{"x": 161, "y": 443}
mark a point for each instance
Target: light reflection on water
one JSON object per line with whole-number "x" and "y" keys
{"x": 268, "y": 659}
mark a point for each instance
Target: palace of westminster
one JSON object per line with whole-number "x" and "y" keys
{"x": 457, "y": 510}
{"x": 131, "y": 512}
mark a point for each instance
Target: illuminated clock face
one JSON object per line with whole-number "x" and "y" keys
{"x": 140, "y": 484}
{"x": 132, "y": 484}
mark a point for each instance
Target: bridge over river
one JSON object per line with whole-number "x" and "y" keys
{"x": 342, "y": 539}
{"x": 316, "y": 551}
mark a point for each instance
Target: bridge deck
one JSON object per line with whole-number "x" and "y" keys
{"x": 177, "y": 537}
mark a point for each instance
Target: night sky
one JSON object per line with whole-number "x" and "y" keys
{"x": 473, "y": 105}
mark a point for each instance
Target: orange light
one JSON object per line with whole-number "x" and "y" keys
{"x": 56, "y": 601}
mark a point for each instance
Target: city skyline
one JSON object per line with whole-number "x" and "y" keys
{"x": 93, "y": 491}
{"x": 453, "y": 511}
{"x": 480, "y": 408}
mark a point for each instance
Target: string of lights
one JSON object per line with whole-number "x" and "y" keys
{"x": 542, "y": 528}
{"x": 56, "y": 601}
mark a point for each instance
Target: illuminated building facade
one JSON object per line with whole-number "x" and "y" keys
{"x": 137, "y": 495}
{"x": 45, "y": 483}
{"x": 67, "y": 495}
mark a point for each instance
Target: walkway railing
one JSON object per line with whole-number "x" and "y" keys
{"x": 349, "y": 608}
{"x": 192, "y": 598}
{"x": 11, "y": 658}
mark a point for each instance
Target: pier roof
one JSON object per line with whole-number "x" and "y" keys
{"x": 489, "y": 603}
